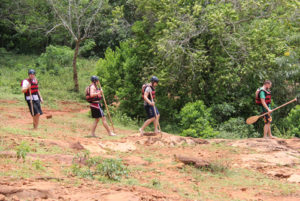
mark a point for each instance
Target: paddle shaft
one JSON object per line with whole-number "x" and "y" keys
{"x": 31, "y": 104}
{"x": 112, "y": 125}
{"x": 279, "y": 107}
{"x": 154, "y": 108}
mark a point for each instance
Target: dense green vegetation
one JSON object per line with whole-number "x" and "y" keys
{"x": 212, "y": 51}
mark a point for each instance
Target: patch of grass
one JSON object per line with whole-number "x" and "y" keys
{"x": 38, "y": 165}
{"x": 28, "y": 169}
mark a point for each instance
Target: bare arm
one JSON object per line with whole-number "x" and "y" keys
{"x": 41, "y": 98}
{"x": 25, "y": 89}
{"x": 146, "y": 94}
{"x": 94, "y": 92}
{"x": 265, "y": 105}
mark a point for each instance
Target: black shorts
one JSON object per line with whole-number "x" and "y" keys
{"x": 150, "y": 111}
{"x": 97, "y": 111}
{"x": 36, "y": 107}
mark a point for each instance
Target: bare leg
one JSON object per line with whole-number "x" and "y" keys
{"x": 94, "y": 126}
{"x": 269, "y": 131}
{"x": 106, "y": 126}
{"x": 36, "y": 121}
{"x": 146, "y": 123}
{"x": 266, "y": 129}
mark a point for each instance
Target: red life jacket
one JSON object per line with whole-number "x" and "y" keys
{"x": 143, "y": 91}
{"x": 34, "y": 87}
{"x": 88, "y": 95}
{"x": 267, "y": 99}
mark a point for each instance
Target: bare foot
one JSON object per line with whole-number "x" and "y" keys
{"x": 141, "y": 132}
{"x": 112, "y": 134}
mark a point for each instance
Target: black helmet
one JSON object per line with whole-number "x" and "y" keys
{"x": 154, "y": 79}
{"x": 94, "y": 78}
{"x": 31, "y": 72}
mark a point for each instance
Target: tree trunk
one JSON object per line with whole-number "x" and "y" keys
{"x": 75, "y": 76}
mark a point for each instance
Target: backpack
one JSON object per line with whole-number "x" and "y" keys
{"x": 143, "y": 91}
{"x": 88, "y": 95}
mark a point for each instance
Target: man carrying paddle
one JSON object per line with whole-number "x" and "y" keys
{"x": 94, "y": 97}
{"x": 263, "y": 98}
{"x": 33, "y": 97}
{"x": 148, "y": 94}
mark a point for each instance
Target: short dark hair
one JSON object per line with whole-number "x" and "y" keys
{"x": 267, "y": 82}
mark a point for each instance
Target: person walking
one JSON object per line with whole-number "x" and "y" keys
{"x": 93, "y": 96}
{"x": 148, "y": 94}
{"x": 33, "y": 97}
{"x": 263, "y": 99}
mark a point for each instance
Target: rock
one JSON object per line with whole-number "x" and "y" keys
{"x": 2, "y": 197}
{"x": 295, "y": 178}
{"x": 118, "y": 146}
{"x": 76, "y": 146}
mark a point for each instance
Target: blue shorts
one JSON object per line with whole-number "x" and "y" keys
{"x": 150, "y": 111}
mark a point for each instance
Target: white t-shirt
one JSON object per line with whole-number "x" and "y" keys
{"x": 25, "y": 84}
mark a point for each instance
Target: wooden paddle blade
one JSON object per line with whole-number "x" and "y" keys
{"x": 252, "y": 119}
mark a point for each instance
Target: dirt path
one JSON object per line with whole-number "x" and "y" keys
{"x": 250, "y": 169}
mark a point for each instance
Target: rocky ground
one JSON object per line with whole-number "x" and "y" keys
{"x": 248, "y": 169}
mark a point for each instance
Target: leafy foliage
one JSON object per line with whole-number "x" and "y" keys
{"x": 196, "y": 120}
{"x": 236, "y": 128}
{"x": 293, "y": 120}
{"x": 56, "y": 57}
{"x": 22, "y": 150}
{"x": 97, "y": 167}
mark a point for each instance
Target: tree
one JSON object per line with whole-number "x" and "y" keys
{"x": 79, "y": 18}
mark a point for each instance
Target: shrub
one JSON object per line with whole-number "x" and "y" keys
{"x": 236, "y": 128}
{"x": 97, "y": 167}
{"x": 56, "y": 57}
{"x": 293, "y": 120}
{"x": 196, "y": 120}
{"x": 113, "y": 169}
{"x": 222, "y": 112}
{"x": 22, "y": 150}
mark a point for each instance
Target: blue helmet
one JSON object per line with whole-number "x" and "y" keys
{"x": 31, "y": 72}
{"x": 154, "y": 79}
{"x": 94, "y": 78}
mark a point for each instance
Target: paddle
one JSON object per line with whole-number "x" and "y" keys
{"x": 154, "y": 108}
{"x": 112, "y": 125}
{"x": 31, "y": 105}
{"x": 253, "y": 119}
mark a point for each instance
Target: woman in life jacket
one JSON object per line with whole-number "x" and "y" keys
{"x": 93, "y": 96}
{"x": 33, "y": 97}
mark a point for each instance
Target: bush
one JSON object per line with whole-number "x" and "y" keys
{"x": 196, "y": 120}
{"x": 236, "y": 128}
{"x": 98, "y": 168}
{"x": 56, "y": 57}
{"x": 222, "y": 112}
{"x": 22, "y": 150}
{"x": 293, "y": 120}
